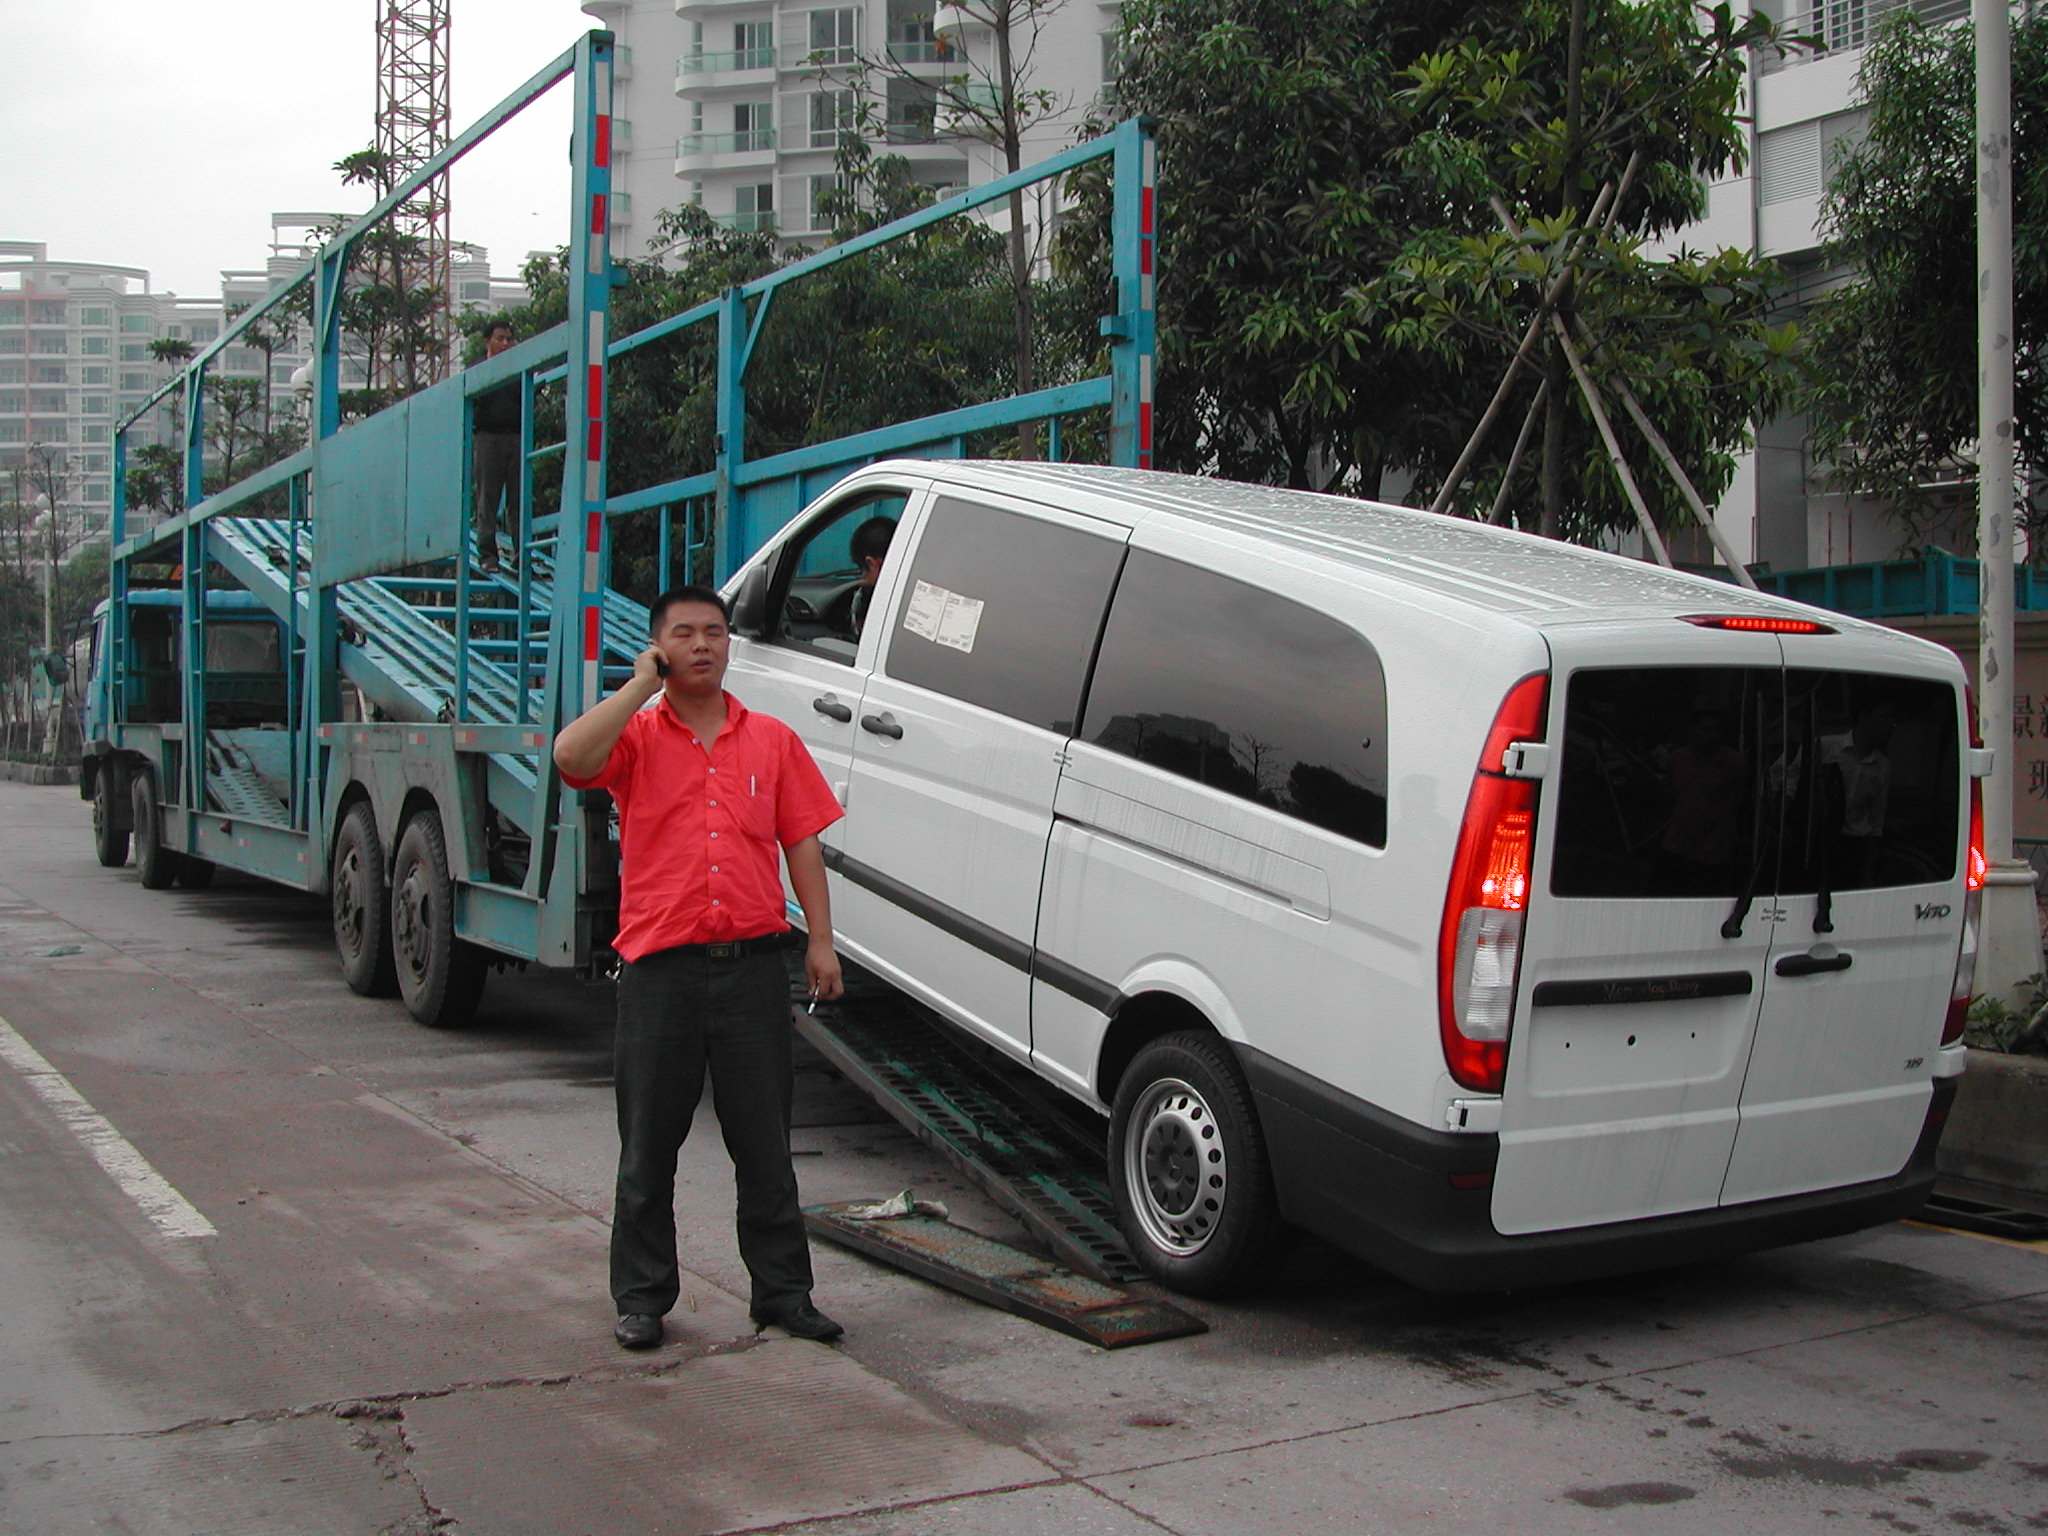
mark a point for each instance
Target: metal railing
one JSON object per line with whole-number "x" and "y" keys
{"x": 746, "y": 141}
{"x": 1829, "y": 27}
{"x": 747, "y": 221}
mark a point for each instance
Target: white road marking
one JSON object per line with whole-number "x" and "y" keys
{"x": 172, "y": 1214}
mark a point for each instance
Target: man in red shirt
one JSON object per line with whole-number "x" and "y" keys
{"x": 707, "y": 792}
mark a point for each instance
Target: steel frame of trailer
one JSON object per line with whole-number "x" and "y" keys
{"x": 390, "y": 493}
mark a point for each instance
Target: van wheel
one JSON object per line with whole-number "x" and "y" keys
{"x": 195, "y": 874}
{"x": 440, "y": 976}
{"x": 109, "y": 839}
{"x": 1188, "y": 1166}
{"x": 362, "y": 906}
{"x": 157, "y": 864}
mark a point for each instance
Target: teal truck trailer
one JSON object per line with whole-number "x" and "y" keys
{"x": 335, "y": 695}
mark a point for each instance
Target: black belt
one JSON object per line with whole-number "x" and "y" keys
{"x": 727, "y": 949}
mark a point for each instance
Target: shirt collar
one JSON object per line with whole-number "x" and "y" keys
{"x": 735, "y": 712}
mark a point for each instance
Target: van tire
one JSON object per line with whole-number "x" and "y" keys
{"x": 360, "y": 897}
{"x": 440, "y": 976}
{"x": 156, "y": 864}
{"x": 109, "y": 837}
{"x": 1183, "y": 1105}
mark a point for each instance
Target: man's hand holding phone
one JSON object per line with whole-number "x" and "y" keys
{"x": 650, "y": 668}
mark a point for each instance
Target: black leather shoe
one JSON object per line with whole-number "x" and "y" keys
{"x": 637, "y": 1330}
{"x": 802, "y": 1321}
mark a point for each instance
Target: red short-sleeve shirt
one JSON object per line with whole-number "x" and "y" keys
{"x": 700, "y": 831}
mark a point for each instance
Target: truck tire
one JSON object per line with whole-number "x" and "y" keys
{"x": 109, "y": 838}
{"x": 157, "y": 864}
{"x": 1188, "y": 1167}
{"x": 361, "y": 900}
{"x": 439, "y": 975}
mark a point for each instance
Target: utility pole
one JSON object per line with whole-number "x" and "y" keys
{"x": 2009, "y": 947}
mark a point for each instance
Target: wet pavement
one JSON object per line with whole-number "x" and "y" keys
{"x": 398, "y": 1322}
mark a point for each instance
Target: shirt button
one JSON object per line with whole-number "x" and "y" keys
{"x": 712, "y": 803}
{"x": 711, "y": 770}
{"x": 714, "y": 869}
{"x": 714, "y": 901}
{"x": 714, "y": 837}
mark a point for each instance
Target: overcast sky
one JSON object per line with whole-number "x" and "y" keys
{"x": 163, "y": 133}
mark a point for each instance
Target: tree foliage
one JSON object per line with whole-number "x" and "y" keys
{"x": 1894, "y": 378}
{"x": 1339, "y": 294}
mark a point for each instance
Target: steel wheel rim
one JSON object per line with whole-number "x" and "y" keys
{"x": 348, "y": 905}
{"x": 1175, "y": 1167}
{"x": 413, "y": 928}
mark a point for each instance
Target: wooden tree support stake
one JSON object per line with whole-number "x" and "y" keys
{"x": 1614, "y": 454}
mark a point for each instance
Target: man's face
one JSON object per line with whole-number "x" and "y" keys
{"x": 496, "y": 341}
{"x": 870, "y": 570}
{"x": 697, "y": 645}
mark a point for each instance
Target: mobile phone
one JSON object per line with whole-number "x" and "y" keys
{"x": 661, "y": 666}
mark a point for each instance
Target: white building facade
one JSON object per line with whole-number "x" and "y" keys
{"x": 736, "y": 105}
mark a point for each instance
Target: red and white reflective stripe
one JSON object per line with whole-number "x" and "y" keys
{"x": 1145, "y": 413}
{"x": 593, "y": 626}
{"x": 1148, "y": 228}
{"x": 601, "y": 145}
{"x": 593, "y": 411}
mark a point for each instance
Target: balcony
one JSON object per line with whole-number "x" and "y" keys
{"x": 1840, "y": 26}
{"x": 748, "y": 146}
{"x": 741, "y": 66}
{"x": 919, "y": 50}
{"x": 761, "y": 221}
{"x": 809, "y": 55}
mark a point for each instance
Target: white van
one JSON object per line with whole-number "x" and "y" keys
{"x": 1497, "y": 909}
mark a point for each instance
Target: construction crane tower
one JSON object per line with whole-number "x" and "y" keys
{"x": 412, "y": 127}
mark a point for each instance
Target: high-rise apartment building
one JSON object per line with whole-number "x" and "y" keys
{"x": 736, "y": 105}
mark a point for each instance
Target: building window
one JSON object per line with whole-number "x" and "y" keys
{"x": 140, "y": 382}
{"x": 204, "y": 331}
{"x": 142, "y": 325}
{"x": 50, "y": 373}
{"x": 134, "y": 352}
{"x": 10, "y": 343}
{"x": 94, "y": 405}
{"x": 100, "y": 375}
{"x": 13, "y": 373}
{"x": 10, "y": 315}
{"x": 49, "y": 312}
{"x": 753, "y": 126}
{"x": 53, "y": 346}
{"x": 753, "y": 44}
{"x": 754, "y": 206}
{"x": 46, "y": 402}
{"x": 13, "y": 432}
{"x": 832, "y": 37}
{"x": 11, "y": 403}
{"x": 94, "y": 346}
{"x": 95, "y": 314}
{"x": 831, "y": 114}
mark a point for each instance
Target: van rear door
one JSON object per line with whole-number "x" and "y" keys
{"x": 1871, "y": 886}
{"x": 1649, "y": 931}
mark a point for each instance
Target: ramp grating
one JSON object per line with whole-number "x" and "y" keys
{"x": 1966, "y": 1215}
{"x": 991, "y": 1118}
{"x": 1002, "y": 1276}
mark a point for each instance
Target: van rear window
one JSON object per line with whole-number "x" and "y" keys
{"x": 1709, "y": 781}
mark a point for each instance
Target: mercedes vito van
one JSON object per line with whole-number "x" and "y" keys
{"x": 1497, "y": 909}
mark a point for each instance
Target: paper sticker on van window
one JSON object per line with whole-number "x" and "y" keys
{"x": 943, "y": 617}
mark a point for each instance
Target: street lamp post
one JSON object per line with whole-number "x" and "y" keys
{"x": 2009, "y": 948}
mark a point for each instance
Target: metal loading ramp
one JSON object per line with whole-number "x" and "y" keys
{"x": 1035, "y": 1157}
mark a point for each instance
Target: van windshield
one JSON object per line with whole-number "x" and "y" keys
{"x": 1713, "y": 781}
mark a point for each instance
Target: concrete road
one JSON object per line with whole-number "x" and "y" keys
{"x": 273, "y": 1258}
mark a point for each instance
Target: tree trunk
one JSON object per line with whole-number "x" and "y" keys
{"x": 1556, "y": 379}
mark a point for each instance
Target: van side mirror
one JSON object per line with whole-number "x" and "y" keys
{"x": 750, "y": 605}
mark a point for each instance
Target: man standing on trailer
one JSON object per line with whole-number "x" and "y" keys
{"x": 495, "y": 451}
{"x": 708, "y": 791}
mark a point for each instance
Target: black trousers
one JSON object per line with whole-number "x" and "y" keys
{"x": 495, "y": 457}
{"x": 681, "y": 1014}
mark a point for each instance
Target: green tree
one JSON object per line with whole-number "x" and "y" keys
{"x": 1893, "y": 402}
{"x": 1365, "y": 202}
{"x": 233, "y": 426}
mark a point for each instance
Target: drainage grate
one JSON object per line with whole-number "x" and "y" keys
{"x": 1036, "y": 1157}
{"x": 995, "y": 1273}
{"x": 1967, "y": 1215}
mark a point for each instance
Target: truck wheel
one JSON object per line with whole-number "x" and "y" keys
{"x": 439, "y": 975}
{"x": 362, "y": 906}
{"x": 157, "y": 864}
{"x": 1187, "y": 1166}
{"x": 195, "y": 874}
{"x": 109, "y": 840}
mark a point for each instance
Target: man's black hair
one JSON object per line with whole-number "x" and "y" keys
{"x": 500, "y": 324}
{"x": 657, "y": 611}
{"x": 871, "y": 538}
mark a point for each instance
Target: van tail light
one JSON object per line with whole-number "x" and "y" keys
{"x": 1479, "y": 945}
{"x": 1973, "y": 911}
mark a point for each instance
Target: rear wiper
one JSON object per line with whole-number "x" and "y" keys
{"x": 1732, "y": 928}
{"x": 1819, "y": 838}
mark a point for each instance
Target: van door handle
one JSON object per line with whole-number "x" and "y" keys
{"x": 1812, "y": 965}
{"x": 883, "y": 724}
{"x": 832, "y": 708}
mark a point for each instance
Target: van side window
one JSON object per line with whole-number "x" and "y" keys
{"x": 826, "y": 576}
{"x": 1002, "y": 611}
{"x": 1221, "y": 682}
